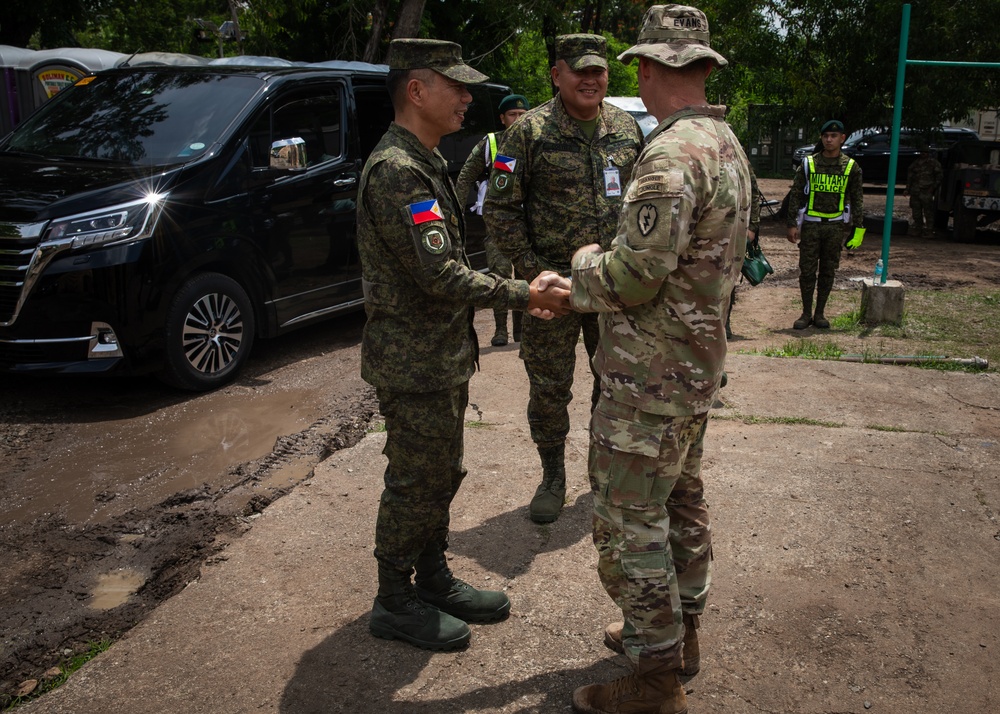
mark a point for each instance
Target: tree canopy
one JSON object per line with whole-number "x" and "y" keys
{"x": 806, "y": 60}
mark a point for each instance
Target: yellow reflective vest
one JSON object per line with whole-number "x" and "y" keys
{"x": 826, "y": 183}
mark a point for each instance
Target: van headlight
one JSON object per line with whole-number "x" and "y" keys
{"x": 127, "y": 221}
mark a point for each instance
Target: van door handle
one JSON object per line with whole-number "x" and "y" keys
{"x": 342, "y": 182}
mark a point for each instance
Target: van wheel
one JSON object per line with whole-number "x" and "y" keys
{"x": 209, "y": 333}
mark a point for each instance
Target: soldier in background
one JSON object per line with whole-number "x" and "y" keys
{"x": 476, "y": 171}
{"x": 826, "y": 213}
{"x": 923, "y": 179}
{"x": 662, "y": 292}
{"x": 419, "y": 347}
{"x": 556, "y": 186}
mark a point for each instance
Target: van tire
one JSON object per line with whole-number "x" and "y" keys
{"x": 209, "y": 332}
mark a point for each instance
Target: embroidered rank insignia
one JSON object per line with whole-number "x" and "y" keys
{"x": 504, "y": 163}
{"x": 646, "y": 218}
{"x": 426, "y": 211}
{"x": 434, "y": 241}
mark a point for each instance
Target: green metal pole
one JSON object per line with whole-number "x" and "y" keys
{"x": 897, "y": 118}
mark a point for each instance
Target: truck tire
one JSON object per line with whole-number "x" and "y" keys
{"x": 964, "y": 223}
{"x": 209, "y": 332}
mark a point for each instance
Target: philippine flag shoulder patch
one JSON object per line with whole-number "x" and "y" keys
{"x": 426, "y": 211}
{"x": 504, "y": 163}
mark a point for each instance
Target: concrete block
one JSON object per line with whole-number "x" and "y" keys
{"x": 882, "y": 303}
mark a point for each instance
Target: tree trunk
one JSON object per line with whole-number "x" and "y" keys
{"x": 408, "y": 24}
{"x": 379, "y": 12}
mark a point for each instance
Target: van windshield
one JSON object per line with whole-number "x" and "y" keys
{"x": 149, "y": 118}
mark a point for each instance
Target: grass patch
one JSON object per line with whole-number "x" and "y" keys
{"x": 750, "y": 419}
{"x": 479, "y": 424}
{"x": 952, "y": 324}
{"x": 377, "y": 428}
{"x": 883, "y": 427}
{"x": 66, "y": 668}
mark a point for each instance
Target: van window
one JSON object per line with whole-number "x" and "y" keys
{"x": 315, "y": 116}
{"x": 150, "y": 118}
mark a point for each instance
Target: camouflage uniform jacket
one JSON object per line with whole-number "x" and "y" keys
{"x": 829, "y": 202}
{"x": 924, "y": 176}
{"x": 554, "y": 200}
{"x": 663, "y": 289}
{"x": 418, "y": 285}
{"x": 476, "y": 167}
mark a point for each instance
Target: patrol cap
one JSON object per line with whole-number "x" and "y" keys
{"x": 582, "y": 50}
{"x": 673, "y": 35}
{"x": 832, "y": 125}
{"x": 513, "y": 101}
{"x": 442, "y": 57}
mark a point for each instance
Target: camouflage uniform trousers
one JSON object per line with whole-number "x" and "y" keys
{"x": 923, "y": 206}
{"x": 651, "y": 523}
{"x": 820, "y": 245}
{"x": 548, "y": 349}
{"x": 425, "y": 447}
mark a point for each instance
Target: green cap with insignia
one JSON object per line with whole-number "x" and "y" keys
{"x": 513, "y": 101}
{"x": 674, "y": 35}
{"x": 833, "y": 125}
{"x": 582, "y": 50}
{"x": 438, "y": 55}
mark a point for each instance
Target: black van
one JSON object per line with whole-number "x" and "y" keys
{"x": 159, "y": 219}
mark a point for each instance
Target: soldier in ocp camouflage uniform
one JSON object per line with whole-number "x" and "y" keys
{"x": 662, "y": 293}
{"x": 419, "y": 347}
{"x": 827, "y": 200}
{"x": 558, "y": 187}
{"x": 922, "y": 181}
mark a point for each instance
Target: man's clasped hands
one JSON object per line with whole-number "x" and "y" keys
{"x": 549, "y": 291}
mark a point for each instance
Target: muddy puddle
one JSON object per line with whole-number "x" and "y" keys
{"x": 185, "y": 446}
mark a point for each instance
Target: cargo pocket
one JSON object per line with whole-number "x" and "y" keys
{"x": 625, "y": 459}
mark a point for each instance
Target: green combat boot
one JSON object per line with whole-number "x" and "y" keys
{"x": 398, "y": 614}
{"x": 551, "y": 493}
{"x": 500, "y": 336}
{"x": 437, "y": 586}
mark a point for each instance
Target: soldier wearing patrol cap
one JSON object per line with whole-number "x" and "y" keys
{"x": 475, "y": 172}
{"x": 662, "y": 291}
{"x": 419, "y": 348}
{"x": 825, "y": 214}
{"x": 555, "y": 186}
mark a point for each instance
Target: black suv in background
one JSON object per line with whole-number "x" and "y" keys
{"x": 870, "y": 149}
{"x": 161, "y": 218}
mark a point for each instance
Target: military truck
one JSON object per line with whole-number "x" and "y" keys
{"x": 970, "y": 193}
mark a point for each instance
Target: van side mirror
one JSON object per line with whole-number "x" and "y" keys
{"x": 288, "y": 154}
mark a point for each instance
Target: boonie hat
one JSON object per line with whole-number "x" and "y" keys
{"x": 513, "y": 101}
{"x": 832, "y": 125}
{"x": 673, "y": 35}
{"x": 442, "y": 57}
{"x": 582, "y": 50}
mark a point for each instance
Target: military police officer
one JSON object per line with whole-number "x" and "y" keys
{"x": 662, "y": 292}
{"x": 419, "y": 347}
{"x": 825, "y": 213}
{"x": 476, "y": 170}
{"x": 556, "y": 186}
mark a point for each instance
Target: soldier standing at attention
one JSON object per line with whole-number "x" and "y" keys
{"x": 556, "y": 186}
{"x": 476, "y": 170}
{"x": 419, "y": 348}
{"x": 826, "y": 202}
{"x": 922, "y": 181}
{"x": 662, "y": 292}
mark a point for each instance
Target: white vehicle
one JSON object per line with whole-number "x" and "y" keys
{"x": 635, "y": 107}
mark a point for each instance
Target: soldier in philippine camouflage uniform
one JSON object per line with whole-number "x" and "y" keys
{"x": 419, "y": 348}
{"x": 662, "y": 292}
{"x": 556, "y": 186}
{"x": 825, "y": 213}
{"x": 922, "y": 181}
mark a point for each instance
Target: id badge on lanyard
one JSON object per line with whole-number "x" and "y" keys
{"x": 612, "y": 181}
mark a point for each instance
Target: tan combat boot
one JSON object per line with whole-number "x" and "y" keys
{"x": 691, "y": 650}
{"x": 653, "y": 688}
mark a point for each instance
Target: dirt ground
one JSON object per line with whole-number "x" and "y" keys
{"x": 51, "y": 561}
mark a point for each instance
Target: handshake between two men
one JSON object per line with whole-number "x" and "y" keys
{"x": 549, "y": 291}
